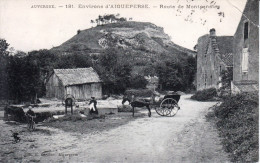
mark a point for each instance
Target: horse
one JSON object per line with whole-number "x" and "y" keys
{"x": 155, "y": 100}
{"x": 135, "y": 103}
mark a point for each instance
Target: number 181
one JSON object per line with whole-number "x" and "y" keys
{"x": 69, "y": 6}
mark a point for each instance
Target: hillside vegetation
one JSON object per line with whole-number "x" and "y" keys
{"x": 134, "y": 36}
{"x": 122, "y": 53}
{"x": 143, "y": 45}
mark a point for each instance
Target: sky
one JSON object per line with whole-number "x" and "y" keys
{"x": 28, "y": 28}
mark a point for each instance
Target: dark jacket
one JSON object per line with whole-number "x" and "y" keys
{"x": 93, "y": 101}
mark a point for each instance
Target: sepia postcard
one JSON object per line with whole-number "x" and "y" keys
{"x": 129, "y": 81}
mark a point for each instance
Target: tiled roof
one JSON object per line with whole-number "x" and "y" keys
{"x": 77, "y": 76}
{"x": 227, "y": 58}
{"x": 223, "y": 45}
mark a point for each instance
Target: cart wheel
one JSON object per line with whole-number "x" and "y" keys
{"x": 159, "y": 111}
{"x": 164, "y": 110}
{"x": 169, "y": 107}
{"x": 174, "y": 111}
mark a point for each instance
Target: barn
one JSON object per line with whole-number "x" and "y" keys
{"x": 82, "y": 83}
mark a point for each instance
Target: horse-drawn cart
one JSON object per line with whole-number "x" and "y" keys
{"x": 168, "y": 106}
{"x": 164, "y": 106}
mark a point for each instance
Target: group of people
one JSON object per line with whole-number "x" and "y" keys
{"x": 92, "y": 106}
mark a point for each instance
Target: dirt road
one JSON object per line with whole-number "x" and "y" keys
{"x": 187, "y": 137}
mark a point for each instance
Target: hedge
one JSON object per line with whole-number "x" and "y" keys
{"x": 139, "y": 92}
{"x": 237, "y": 121}
{"x": 205, "y": 95}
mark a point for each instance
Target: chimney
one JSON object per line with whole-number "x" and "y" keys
{"x": 212, "y": 32}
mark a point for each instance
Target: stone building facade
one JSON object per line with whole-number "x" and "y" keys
{"x": 246, "y": 50}
{"x": 214, "y": 54}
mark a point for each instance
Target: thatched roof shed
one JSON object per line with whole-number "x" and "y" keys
{"x": 82, "y": 83}
{"x": 77, "y": 76}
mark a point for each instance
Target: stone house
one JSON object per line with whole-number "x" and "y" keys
{"x": 214, "y": 54}
{"x": 81, "y": 83}
{"x": 246, "y": 50}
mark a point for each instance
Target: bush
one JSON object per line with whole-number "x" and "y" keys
{"x": 138, "y": 82}
{"x": 237, "y": 121}
{"x": 176, "y": 74}
{"x": 205, "y": 95}
{"x": 139, "y": 92}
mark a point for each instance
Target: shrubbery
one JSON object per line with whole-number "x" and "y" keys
{"x": 138, "y": 81}
{"x": 237, "y": 121}
{"x": 205, "y": 95}
{"x": 139, "y": 92}
{"x": 23, "y": 76}
{"x": 176, "y": 74}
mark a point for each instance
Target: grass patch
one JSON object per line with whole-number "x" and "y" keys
{"x": 205, "y": 95}
{"x": 238, "y": 125}
{"x": 78, "y": 125}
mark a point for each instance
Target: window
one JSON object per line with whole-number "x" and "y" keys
{"x": 245, "y": 60}
{"x": 246, "y": 31}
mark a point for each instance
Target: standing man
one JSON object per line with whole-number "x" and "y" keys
{"x": 30, "y": 113}
{"x": 93, "y": 105}
{"x": 30, "y": 118}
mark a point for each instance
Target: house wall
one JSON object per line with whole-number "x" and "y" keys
{"x": 202, "y": 43}
{"x": 85, "y": 91}
{"x": 54, "y": 87}
{"x": 208, "y": 64}
{"x": 251, "y": 10}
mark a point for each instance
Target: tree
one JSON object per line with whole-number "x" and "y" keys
{"x": 97, "y": 21}
{"x": 226, "y": 78}
{"x": 138, "y": 81}
{"x": 176, "y": 74}
{"x": 102, "y": 20}
{"x": 112, "y": 18}
{"x": 92, "y": 22}
{"x": 23, "y": 78}
{"x": 169, "y": 76}
{"x": 3, "y": 47}
{"x": 106, "y": 18}
{"x": 3, "y": 69}
{"x": 114, "y": 73}
{"x": 122, "y": 19}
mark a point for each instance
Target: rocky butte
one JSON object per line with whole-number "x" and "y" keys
{"x": 142, "y": 37}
